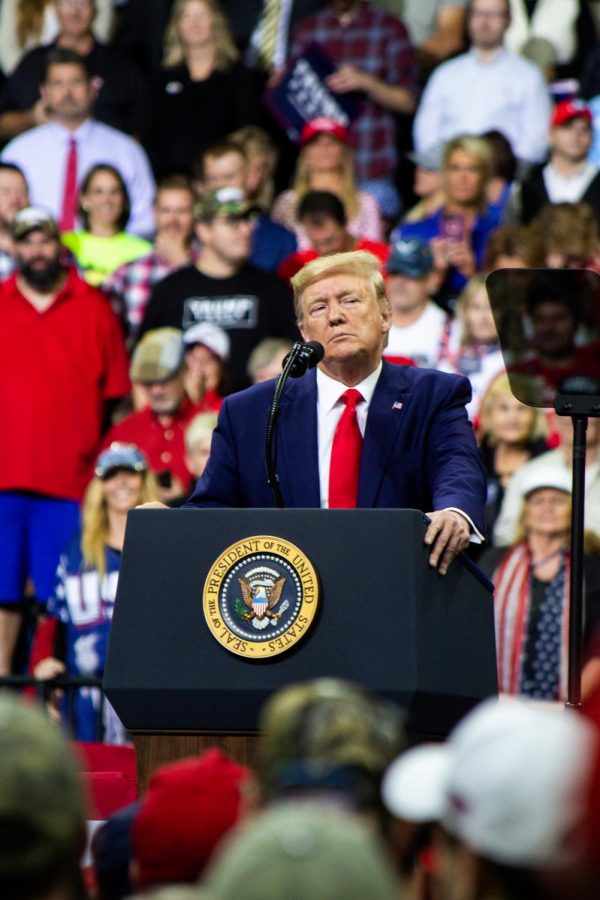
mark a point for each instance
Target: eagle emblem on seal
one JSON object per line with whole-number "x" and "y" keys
{"x": 261, "y": 593}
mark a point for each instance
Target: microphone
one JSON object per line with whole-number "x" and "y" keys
{"x": 302, "y": 357}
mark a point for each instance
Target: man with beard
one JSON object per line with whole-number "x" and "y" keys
{"x": 62, "y": 362}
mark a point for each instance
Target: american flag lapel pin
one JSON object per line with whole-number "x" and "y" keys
{"x": 397, "y": 405}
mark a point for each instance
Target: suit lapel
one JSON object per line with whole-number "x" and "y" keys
{"x": 384, "y": 421}
{"x": 298, "y": 451}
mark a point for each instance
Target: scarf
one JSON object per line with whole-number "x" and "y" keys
{"x": 512, "y": 604}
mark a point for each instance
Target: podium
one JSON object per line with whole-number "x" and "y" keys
{"x": 385, "y": 619}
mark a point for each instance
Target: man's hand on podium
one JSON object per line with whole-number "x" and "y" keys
{"x": 448, "y": 535}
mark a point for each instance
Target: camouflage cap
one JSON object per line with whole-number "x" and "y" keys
{"x": 158, "y": 356}
{"x": 226, "y": 201}
{"x": 42, "y": 812}
{"x": 328, "y": 723}
{"x": 33, "y": 218}
{"x": 308, "y": 850}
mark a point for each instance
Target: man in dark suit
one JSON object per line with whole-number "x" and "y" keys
{"x": 415, "y": 448}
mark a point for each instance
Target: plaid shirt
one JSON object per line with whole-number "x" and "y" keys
{"x": 131, "y": 284}
{"x": 376, "y": 42}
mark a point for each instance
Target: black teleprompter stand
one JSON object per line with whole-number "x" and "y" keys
{"x": 579, "y": 407}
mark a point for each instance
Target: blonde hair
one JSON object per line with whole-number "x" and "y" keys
{"x": 499, "y": 388}
{"x": 358, "y": 263}
{"x": 478, "y": 148}
{"x": 256, "y": 142}
{"x": 30, "y": 20}
{"x": 95, "y": 520}
{"x": 200, "y": 428}
{"x": 349, "y": 190}
{"x": 469, "y": 291}
{"x": 265, "y": 352}
{"x": 226, "y": 53}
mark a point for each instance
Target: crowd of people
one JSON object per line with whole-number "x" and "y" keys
{"x": 336, "y": 807}
{"x": 153, "y": 213}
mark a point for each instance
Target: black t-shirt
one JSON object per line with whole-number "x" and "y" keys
{"x": 121, "y": 99}
{"x": 188, "y": 116}
{"x": 249, "y": 306}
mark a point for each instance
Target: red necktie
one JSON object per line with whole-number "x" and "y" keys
{"x": 69, "y": 201}
{"x": 345, "y": 455}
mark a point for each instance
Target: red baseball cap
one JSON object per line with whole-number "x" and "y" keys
{"x": 190, "y": 805}
{"x": 323, "y": 125}
{"x": 567, "y": 110}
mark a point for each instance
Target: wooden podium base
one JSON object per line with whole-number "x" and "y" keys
{"x": 153, "y": 750}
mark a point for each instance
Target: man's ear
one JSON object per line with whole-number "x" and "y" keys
{"x": 44, "y": 96}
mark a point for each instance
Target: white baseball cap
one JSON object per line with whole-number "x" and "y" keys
{"x": 557, "y": 477}
{"x": 509, "y": 782}
{"x": 210, "y": 336}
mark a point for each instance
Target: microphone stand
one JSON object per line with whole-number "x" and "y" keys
{"x": 271, "y": 440}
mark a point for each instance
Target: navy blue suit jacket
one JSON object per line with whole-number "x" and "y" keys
{"x": 419, "y": 451}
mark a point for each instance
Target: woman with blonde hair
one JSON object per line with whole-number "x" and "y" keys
{"x": 25, "y": 24}
{"x": 203, "y": 91}
{"x": 510, "y": 434}
{"x": 261, "y": 155}
{"x": 325, "y": 163}
{"x": 80, "y": 611}
{"x": 473, "y": 348}
{"x": 531, "y": 596}
{"x": 457, "y": 232}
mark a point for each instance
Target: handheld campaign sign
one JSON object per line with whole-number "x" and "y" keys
{"x": 302, "y": 94}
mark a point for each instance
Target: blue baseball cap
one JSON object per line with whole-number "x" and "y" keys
{"x": 120, "y": 456}
{"x": 411, "y": 258}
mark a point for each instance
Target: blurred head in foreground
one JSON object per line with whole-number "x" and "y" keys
{"x": 42, "y": 815}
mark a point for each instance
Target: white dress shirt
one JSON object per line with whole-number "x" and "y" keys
{"x": 42, "y": 155}
{"x": 468, "y": 96}
{"x": 329, "y": 413}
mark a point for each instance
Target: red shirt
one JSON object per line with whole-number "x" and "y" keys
{"x": 57, "y": 368}
{"x": 294, "y": 262}
{"x": 548, "y": 378}
{"x": 163, "y": 444}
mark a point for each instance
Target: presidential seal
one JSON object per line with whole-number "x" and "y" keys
{"x": 260, "y": 597}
